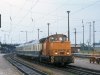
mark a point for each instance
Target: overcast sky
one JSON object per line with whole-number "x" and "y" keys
{"x": 29, "y": 15}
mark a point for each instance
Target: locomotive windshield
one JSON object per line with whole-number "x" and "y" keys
{"x": 58, "y": 38}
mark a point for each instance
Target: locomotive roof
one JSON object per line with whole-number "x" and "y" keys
{"x": 57, "y": 35}
{"x": 43, "y": 39}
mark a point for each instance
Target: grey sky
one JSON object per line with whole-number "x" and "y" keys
{"x": 29, "y": 15}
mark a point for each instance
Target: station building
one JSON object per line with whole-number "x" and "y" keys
{"x": 75, "y": 49}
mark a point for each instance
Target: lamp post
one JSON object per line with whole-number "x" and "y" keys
{"x": 38, "y": 33}
{"x": 26, "y": 35}
{"x": 89, "y": 35}
{"x": 75, "y": 38}
{"x": 93, "y": 37}
{"x": 68, "y": 27}
{"x": 83, "y": 34}
{"x": 48, "y": 28}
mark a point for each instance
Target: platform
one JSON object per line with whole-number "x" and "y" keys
{"x": 85, "y": 63}
{"x": 6, "y": 68}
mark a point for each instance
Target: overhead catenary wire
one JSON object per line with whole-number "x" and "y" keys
{"x": 22, "y": 19}
{"x": 28, "y": 12}
{"x": 86, "y": 7}
{"x": 55, "y": 10}
{"x": 77, "y": 11}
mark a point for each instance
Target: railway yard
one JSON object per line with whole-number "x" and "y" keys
{"x": 79, "y": 67}
{"x": 49, "y": 37}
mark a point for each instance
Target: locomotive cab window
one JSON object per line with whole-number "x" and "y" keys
{"x": 52, "y": 39}
{"x": 57, "y": 38}
{"x": 60, "y": 39}
{"x": 63, "y": 38}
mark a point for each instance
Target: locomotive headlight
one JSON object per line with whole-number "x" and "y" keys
{"x": 56, "y": 53}
{"x": 67, "y": 52}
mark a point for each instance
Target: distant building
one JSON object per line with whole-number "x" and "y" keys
{"x": 97, "y": 47}
{"x": 75, "y": 49}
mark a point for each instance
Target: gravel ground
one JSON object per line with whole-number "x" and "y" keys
{"x": 86, "y": 64}
{"x": 6, "y": 68}
{"x": 49, "y": 70}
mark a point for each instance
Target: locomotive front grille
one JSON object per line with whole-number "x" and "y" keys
{"x": 62, "y": 53}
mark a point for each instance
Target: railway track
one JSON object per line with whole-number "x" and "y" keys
{"x": 26, "y": 69}
{"x": 77, "y": 70}
{"x": 81, "y": 71}
{"x": 69, "y": 68}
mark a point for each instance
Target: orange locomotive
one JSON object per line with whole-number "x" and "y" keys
{"x": 56, "y": 49}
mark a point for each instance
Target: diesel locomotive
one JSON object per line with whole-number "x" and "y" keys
{"x": 53, "y": 49}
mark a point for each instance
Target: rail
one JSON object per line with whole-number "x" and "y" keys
{"x": 23, "y": 67}
{"x": 81, "y": 71}
{"x": 71, "y": 69}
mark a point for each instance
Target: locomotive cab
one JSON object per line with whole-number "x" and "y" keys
{"x": 59, "y": 46}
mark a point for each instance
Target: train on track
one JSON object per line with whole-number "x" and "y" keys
{"x": 54, "y": 49}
